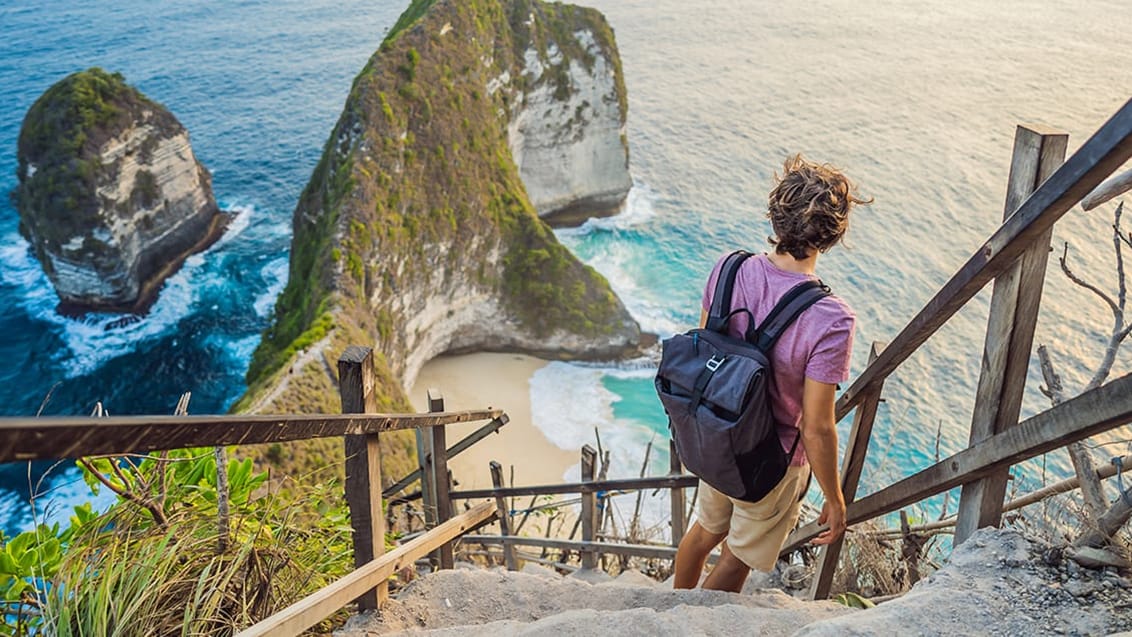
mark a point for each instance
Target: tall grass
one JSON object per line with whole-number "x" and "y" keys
{"x": 130, "y": 572}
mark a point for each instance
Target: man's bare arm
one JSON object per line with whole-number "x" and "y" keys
{"x": 819, "y": 435}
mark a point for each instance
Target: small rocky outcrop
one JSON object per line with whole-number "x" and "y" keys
{"x": 419, "y": 231}
{"x": 110, "y": 195}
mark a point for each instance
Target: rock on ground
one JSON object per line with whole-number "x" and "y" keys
{"x": 998, "y": 583}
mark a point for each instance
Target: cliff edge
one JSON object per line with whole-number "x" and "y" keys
{"x": 417, "y": 233}
{"x": 110, "y": 194}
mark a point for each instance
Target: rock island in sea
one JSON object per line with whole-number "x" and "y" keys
{"x": 110, "y": 194}
{"x": 419, "y": 232}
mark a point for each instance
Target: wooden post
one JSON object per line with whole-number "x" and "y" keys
{"x": 438, "y": 458}
{"x": 589, "y": 507}
{"x": 675, "y": 468}
{"x": 428, "y": 501}
{"x": 363, "y": 468}
{"x": 504, "y": 517}
{"x": 1010, "y": 328}
{"x": 851, "y": 468}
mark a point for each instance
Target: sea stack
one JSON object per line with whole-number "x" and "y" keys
{"x": 420, "y": 232}
{"x": 110, "y": 194}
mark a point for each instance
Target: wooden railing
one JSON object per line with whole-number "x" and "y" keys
{"x": 590, "y": 490}
{"x": 1042, "y": 187}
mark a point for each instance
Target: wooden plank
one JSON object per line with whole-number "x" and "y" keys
{"x": 614, "y": 548}
{"x": 589, "y": 507}
{"x": 1013, "y": 316}
{"x": 1104, "y": 152}
{"x": 71, "y": 437}
{"x": 438, "y": 449}
{"x": 453, "y": 451}
{"x": 301, "y": 615}
{"x": 623, "y": 484}
{"x": 363, "y": 467}
{"x": 1110, "y": 189}
{"x": 677, "y": 521}
{"x": 1097, "y": 411}
{"x": 504, "y": 516}
{"x": 855, "y": 453}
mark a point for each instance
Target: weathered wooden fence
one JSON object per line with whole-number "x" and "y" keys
{"x": 360, "y": 427}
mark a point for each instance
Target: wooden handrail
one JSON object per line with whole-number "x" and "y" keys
{"x": 1103, "y": 153}
{"x": 1093, "y": 412}
{"x": 51, "y": 438}
{"x": 454, "y": 450}
{"x": 613, "y": 548}
{"x": 303, "y": 614}
{"x": 626, "y": 484}
{"x": 1110, "y": 189}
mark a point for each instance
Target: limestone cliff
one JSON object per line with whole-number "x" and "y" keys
{"x": 567, "y": 123}
{"x": 416, "y": 233}
{"x": 110, "y": 195}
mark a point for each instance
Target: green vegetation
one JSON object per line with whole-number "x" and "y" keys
{"x": 416, "y": 11}
{"x": 163, "y": 565}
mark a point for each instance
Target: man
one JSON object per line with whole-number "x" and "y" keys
{"x": 809, "y": 210}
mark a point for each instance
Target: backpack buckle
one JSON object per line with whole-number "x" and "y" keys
{"x": 714, "y": 363}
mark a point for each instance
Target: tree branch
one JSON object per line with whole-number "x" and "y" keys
{"x": 1092, "y": 491}
{"x": 1081, "y": 282}
{"x": 1117, "y": 238}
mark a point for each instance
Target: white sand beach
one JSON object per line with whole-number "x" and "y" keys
{"x": 482, "y": 380}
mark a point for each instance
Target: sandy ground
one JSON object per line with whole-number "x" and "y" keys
{"x": 479, "y": 381}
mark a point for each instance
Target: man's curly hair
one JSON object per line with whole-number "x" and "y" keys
{"x": 809, "y": 207}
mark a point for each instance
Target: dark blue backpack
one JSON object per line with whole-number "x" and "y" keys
{"x": 714, "y": 390}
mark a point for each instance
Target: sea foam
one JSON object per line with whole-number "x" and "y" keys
{"x": 95, "y": 338}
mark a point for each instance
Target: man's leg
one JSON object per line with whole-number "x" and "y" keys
{"x": 729, "y": 573}
{"x": 692, "y": 554}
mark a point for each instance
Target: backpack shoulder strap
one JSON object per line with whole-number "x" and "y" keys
{"x": 720, "y": 312}
{"x": 797, "y": 300}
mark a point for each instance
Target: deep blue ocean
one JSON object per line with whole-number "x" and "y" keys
{"x": 917, "y": 101}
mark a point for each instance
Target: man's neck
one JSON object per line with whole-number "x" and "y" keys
{"x": 790, "y": 264}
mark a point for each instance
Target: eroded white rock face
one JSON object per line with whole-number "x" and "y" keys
{"x": 568, "y": 140}
{"x": 155, "y": 207}
{"x": 459, "y": 315}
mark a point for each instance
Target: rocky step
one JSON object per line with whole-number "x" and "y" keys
{"x": 996, "y": 583}
{"x": 540, "y": 602}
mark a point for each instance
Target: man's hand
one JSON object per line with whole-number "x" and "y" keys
{"x": 832, "y": 514}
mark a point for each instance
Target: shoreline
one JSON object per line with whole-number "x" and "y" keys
{"x": 481, "y": 380}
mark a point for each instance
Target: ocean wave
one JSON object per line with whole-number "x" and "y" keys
{"x": 241, "y": 219}
{"x": 638, "y": 210}
{"x": 95, "y": 338}
{"x": 275, "y": 275}
{"x": 572, "y": 408}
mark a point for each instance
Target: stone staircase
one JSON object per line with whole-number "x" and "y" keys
{"x": 995, "y": 584}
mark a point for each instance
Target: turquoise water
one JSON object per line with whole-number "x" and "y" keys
{"x": 915, "y": 100}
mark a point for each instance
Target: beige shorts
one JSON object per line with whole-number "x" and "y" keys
{"x": 755, "y": 530}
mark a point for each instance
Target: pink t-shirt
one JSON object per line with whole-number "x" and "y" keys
{"x": 816, "y": 346}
